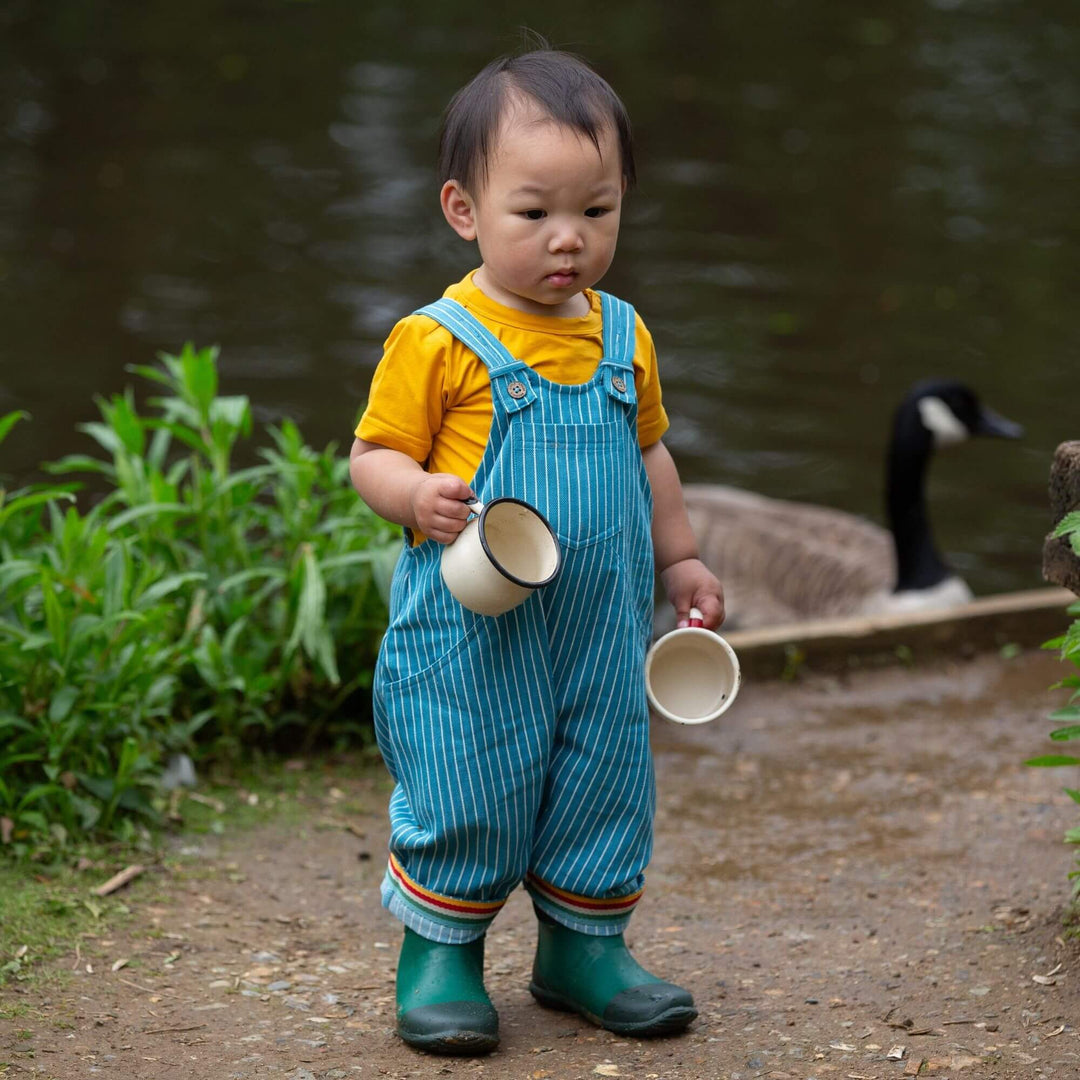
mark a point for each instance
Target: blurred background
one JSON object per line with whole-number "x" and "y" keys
{"x": 834, "y": 200}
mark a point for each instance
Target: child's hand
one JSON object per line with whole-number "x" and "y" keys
{"x": 438, "y": 505}
{"x": 689, "y": 583}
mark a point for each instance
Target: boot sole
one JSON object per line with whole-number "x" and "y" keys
{"x": 457, "y": 1043}
{"x": 669, "y": 1022}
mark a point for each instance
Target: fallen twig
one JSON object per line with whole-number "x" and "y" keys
{"x": 173, "y": 1031}
{"x": 207, "y": 800}
{"x": 118, "y": 881}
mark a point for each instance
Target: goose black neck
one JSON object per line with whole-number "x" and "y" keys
{"x": 918, "y": 563}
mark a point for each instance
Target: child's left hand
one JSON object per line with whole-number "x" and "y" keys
{"x": 689, "y": 583}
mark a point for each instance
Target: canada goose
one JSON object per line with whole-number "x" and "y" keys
{"x": 783, "y": 562}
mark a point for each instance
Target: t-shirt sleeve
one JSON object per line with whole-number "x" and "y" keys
{"x": 652, "y": 417}
{"x": 408, "y": 390}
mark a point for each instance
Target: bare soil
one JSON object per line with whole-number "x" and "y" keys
{"x": 857, "y": 877}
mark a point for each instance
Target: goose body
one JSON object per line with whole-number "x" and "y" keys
{"x": 783, "y": 562}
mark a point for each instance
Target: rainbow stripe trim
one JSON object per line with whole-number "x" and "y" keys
{"x": 587, "y": 908}
{"x": 443, "y": 909}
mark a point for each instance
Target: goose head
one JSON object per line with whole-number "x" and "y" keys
{"x": 935, "y": 413}
{"x": 950, "y": 412}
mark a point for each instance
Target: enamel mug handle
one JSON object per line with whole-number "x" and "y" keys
{"x": 475, "y": 505}
{"x": 696, "y": 618}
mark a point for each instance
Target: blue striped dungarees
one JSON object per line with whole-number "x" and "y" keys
{"x": 519, "y": 744}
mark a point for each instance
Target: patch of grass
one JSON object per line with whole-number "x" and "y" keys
{"x": 47, "y": 913}
{"x": 50, "y": 909}
{"x": 294, "y": 792}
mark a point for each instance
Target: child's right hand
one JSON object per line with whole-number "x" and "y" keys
{"x": 438, "y": 504}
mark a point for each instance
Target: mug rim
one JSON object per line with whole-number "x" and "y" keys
{"x": 523, "y": 582}
{"x": 727, "y": 649}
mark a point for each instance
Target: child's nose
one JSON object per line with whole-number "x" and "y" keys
{"x": 565, "y": 237}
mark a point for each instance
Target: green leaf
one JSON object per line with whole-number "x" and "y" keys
{"x": 103, "y": 435}
{"x": 148, "y": 510}
{"x": 255, "y": 574}
{"x": 112, "y": 599}
{"x": 9, "y": 420}
{"x": 1064, "y": 733}
{"x": 38, "y": 498}
{"x": 124, "y": 420}
{"x": 62, "y": 701}
{"x": 1052, "y": 761}
{"x": 79, "y": 463}
{"x": 1070, "y": 712}
{"x": 151, "y": 373}
{"x": 351, "y": 558}
{"x": 13, "y": 571}
{"x": 311, "y": 608}
{"x": 1068, "y": 524}
{"x": 54, "y": 613}
{"x": 100, "y": 787}
{"x": 166, "y": 586}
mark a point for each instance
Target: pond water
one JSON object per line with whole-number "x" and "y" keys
{"x": 832, "y": 203}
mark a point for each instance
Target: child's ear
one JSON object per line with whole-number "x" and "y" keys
{"x": 457, "y": 208}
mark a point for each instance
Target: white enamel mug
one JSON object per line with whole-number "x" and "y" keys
{"x": 691, "y": 674}
{"x": 501, "y": 556}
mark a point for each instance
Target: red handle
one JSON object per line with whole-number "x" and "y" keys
{"x": 696, "y": 618}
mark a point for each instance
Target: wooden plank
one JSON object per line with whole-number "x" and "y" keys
{"x": 1026, "y": 619}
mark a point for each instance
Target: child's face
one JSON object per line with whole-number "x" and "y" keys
{"x": 547, "y": 219}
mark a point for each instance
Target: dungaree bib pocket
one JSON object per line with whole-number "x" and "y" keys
{"x": 579, "y": 487}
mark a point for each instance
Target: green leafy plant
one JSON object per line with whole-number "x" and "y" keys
{"x": 1069, "y": 715}
{"x": 188, "y": 606}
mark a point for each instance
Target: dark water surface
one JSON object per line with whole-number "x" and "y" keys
{"x": 834, "y": 201}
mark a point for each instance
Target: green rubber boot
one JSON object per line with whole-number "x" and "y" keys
{"x": 599, "y": 979}
{"x": 442, "y": 1006}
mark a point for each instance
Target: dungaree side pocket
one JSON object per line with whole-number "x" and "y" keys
{"x": 427, "y": 624}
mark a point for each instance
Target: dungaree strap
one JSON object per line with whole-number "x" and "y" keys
{"x": 619, "y": 344}
{"x": 508, "y": 388}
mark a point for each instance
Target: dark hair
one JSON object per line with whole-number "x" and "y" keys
{"x": 562, "y": 84}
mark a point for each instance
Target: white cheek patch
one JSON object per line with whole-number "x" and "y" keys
{"x": 941, "y": 422}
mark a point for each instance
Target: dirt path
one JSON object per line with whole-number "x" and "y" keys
{"x": 842, "y": 868}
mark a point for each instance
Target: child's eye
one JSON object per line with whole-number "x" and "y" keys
{"x": 597, "y": 211}
{"x": 533, "y": 215}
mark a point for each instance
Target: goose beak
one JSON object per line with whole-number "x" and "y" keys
{"x": 992, "y": 424}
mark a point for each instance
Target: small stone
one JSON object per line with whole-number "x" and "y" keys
{"x": 281, "y": 984}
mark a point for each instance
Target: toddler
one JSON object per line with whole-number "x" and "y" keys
{"x": 520, "y": 743}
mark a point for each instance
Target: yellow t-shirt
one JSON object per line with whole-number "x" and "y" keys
{"x": 430, "y": 396}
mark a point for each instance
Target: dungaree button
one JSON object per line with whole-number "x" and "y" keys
{"x": 619, "y": 383}
{"x": 516, "y": 389}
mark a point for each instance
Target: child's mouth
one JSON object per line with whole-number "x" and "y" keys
{"x": 562, "y": 278}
